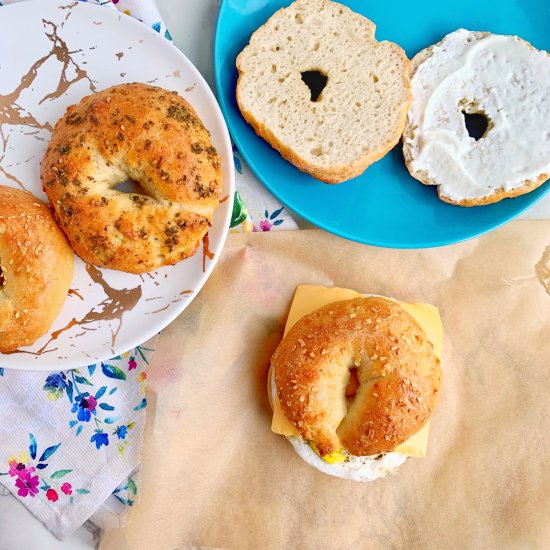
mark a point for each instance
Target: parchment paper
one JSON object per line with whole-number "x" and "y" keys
{"x": 215, "y": 475}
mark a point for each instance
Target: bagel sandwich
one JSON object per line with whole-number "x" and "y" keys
{"x": 355, "y": 380}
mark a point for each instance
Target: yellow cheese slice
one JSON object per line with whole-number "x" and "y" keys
{"x": 308, "y": 298}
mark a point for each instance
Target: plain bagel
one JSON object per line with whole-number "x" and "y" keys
{"x": 355, "y": 112}
{"x": 36, "y": 268}
{"x": 398, "y": 373}
{"x": 147, "y": 134}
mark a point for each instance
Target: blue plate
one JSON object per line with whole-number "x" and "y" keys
{"x": 384, "y": 206}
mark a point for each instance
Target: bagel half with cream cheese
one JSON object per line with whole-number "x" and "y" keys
{"x": 501, "y": 79}
{"x": 355, "y": 380}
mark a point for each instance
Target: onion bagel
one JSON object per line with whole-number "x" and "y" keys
{"x": 146, "y": 134}
{"x": 36, "y": 268}
{"x": 398, "y": 376}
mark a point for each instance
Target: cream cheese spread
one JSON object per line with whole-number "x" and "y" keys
{"x": 501, "y": 77}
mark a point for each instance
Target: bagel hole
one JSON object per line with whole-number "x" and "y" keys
{"x": 131, "y": 187}
{"x": 316, "y": 81}
{"x": 353, "y": 385}
{"x": 2, "y": 280}
{"x": 477, "y": 124}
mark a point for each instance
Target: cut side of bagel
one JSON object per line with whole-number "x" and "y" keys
{"x": 335, "y": 132}
{"x": 502, "y": 79}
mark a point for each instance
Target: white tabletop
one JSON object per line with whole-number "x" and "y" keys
{"x": 191, "y": 24}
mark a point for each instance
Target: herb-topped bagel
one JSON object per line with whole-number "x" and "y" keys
{"x": 146, "y": 134}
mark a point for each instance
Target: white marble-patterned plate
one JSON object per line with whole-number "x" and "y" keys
{"x": 53, "y": 53}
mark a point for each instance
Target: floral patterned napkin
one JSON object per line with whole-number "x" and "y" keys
{"x": 70, "y": 441}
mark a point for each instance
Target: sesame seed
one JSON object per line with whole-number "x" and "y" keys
{"x": 301, "y": 342}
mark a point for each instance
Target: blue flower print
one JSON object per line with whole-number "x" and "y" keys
{"x": 100, "y": 438}
{"x": 121, "y": 432}
{"x": 84, "y": 405}
{"x": 55, "y": 384}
